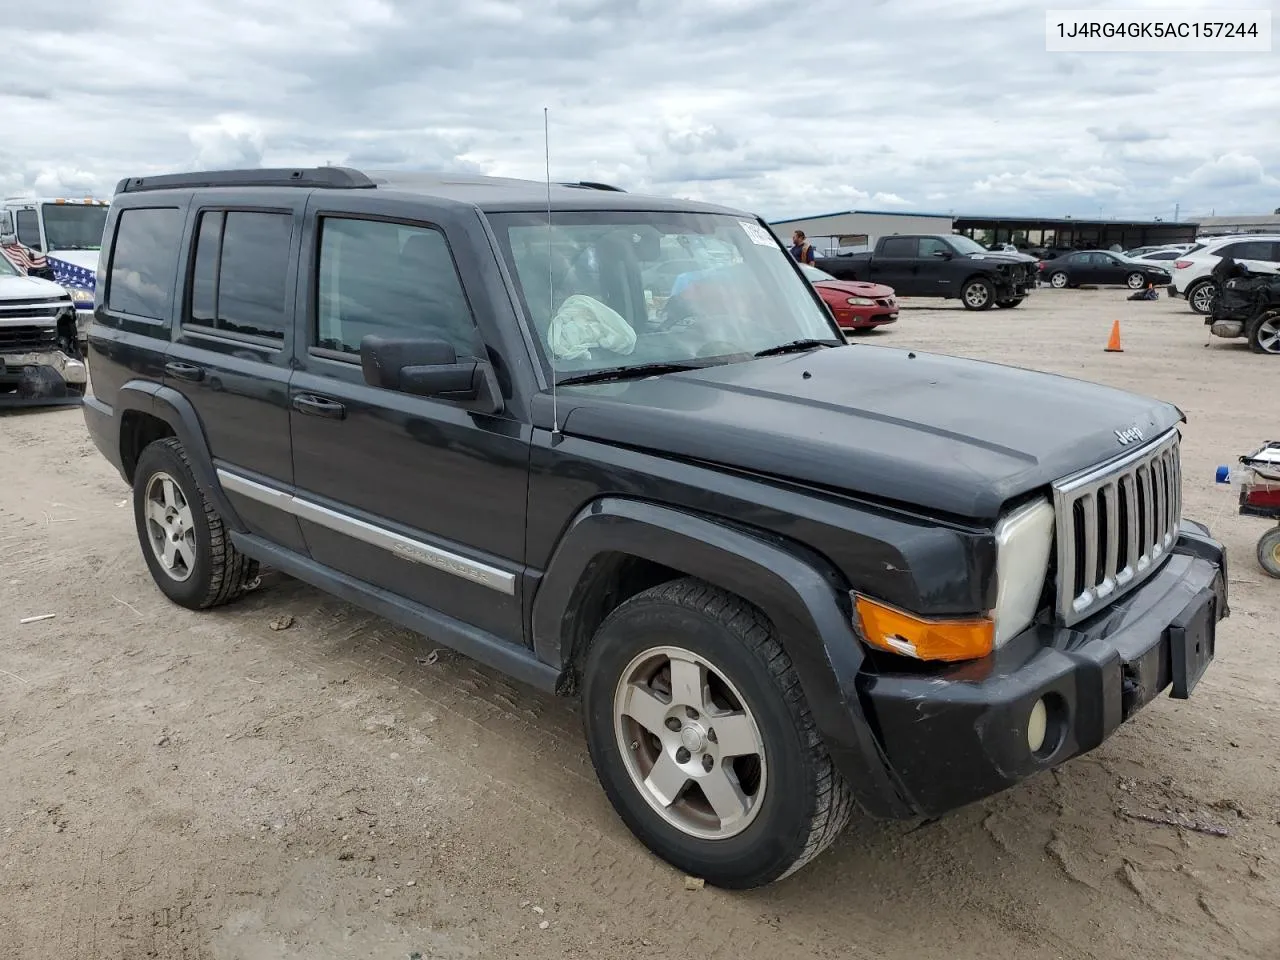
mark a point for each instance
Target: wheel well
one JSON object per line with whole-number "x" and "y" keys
{"x": 139, "y": 430}
{"x": 610, "y": 580}
{"x": 978, "y": 276}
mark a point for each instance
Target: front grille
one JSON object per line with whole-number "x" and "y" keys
{"x": 1115, "y": 526}
{"x": 21, "y": 339}
{"x": 42, "y": 308}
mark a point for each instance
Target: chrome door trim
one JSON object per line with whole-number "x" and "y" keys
{"x": 406, "y": 548}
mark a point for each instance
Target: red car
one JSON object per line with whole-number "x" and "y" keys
{"x": 856, "y": 305}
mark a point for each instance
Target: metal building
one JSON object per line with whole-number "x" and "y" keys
{"x": 854, "y": 230}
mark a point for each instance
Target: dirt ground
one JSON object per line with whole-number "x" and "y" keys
{"x": 175, "y": 785}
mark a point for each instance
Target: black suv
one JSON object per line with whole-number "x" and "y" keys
{"x": 615, "y": 446}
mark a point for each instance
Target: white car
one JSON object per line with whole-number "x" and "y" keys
{"x": 40, "y": 360}
{"x": 1192, "y": 274}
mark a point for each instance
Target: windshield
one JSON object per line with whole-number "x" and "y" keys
{"x": 613, "y": 289}
{"x": 74, "y": 226}
{"x": 964, "y": 245}
{"x": 7, "y": 269}
{"x": 813, "y": 274}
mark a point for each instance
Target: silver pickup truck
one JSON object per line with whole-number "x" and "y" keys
{"x": 40, "y": 358}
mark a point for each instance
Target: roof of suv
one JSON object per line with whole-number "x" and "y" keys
{"x": 490, "y": 194}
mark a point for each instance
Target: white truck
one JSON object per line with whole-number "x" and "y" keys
{"x": 57, "y": 238}
{"x": 40, "y": 357}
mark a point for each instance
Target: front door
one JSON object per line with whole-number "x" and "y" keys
{"x": 419, "y": 495}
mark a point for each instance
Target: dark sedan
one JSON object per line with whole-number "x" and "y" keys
{"x": 1101, "y": 267}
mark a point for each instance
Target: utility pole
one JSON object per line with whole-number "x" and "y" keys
{"x": 1176, "y": 208}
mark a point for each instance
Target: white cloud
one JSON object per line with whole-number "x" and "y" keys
{"x": 782, "y": 108}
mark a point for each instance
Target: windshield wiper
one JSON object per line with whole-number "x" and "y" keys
{"x": 627, "y": 373}
{"x": 795, "y": 346}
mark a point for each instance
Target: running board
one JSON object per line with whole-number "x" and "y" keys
{"x": 519, "y": 663}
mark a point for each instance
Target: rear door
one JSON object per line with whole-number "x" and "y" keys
{"x": 1260, "y": 256}
{"x": 233, "y": 355}
{"x": 896, "y": 263}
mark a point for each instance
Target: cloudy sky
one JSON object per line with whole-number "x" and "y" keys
{"x": 786, "y": 108}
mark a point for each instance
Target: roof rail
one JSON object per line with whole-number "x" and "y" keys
{"x": 340, "y": 178}
{"x": 595, "y": 185}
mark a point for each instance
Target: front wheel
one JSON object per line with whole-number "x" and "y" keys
{"x": 1264, "y": 333}
{"x": 1009, "y": 304}
{"x": 1058, "y": 280}
{"x": 183, "y": 540}
{"x": 977, "y": 295}
{"x": 1269, "y": 552}
{"x": 1136, "y": 281}
{"x": 1201, "y": 297}
{"x": 702, "y": 740}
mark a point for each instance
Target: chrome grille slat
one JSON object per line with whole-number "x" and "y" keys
{"x": 1115, "y": 525}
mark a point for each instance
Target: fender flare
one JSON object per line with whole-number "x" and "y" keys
{"x": 798, "y": 591}
{"x": 167, "y": 404}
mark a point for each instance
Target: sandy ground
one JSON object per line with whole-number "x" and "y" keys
{"x": 205, "y": 786}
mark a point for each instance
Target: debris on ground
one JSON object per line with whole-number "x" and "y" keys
{"x": 1198, "y": 826}
{"x": 43, "y": 616}
{"x": 694, "y": 883}
{"x": 282, "y": 623}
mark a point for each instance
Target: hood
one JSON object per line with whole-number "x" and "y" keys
{"x": 29, "y": 288}
{"x": 856, "y": 288}
{"x": 995, "y": 256}
{"x": 85, "y": 259}
{"x": 945, "y": 434}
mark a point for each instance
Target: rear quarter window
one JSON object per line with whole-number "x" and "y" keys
{"x": 144, "y": 261}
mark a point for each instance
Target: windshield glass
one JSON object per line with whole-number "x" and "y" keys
{"x": 813, "y": 274}
{"x": 74, "y": 226}
{"x": 611, "y": 289}
{"x": 7, "y": 269}
{"x": 964, "y": 245}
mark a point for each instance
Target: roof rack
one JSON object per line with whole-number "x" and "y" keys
{"x": 339, "y": 178}
{"x": 594, "y": 185}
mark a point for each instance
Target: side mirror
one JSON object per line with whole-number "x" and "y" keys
{"x": 428, "y": 368}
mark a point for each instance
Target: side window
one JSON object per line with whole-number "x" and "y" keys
{"x": 239, "y": 272}
{"x": 899, "y": 248}
{"x": 29, "y": 229}
{"x": 6, "y": 223}
{"x": 143, "y": 260}
{"x": 1248, "y": 250}
{"x": 931, "y": 245}
{"x": 391, "y": 279}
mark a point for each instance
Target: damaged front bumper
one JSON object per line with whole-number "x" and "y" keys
{"x": 37, "y": 377}
{"x": 1052, "y": 693}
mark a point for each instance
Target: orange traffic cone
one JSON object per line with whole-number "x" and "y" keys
{"x": 1113, "y": 344}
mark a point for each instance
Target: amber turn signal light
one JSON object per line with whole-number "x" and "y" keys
{"x": 897, "y": 632}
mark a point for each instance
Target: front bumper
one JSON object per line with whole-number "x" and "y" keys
{"x": 959, "y": 735}
{"x": 41, "y": 376}
{"x": 864, "y": 318}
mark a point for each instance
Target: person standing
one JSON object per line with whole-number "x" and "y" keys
{"x": 801, "y": 248}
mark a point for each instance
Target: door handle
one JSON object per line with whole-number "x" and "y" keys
{"x": 184, "y": 371}
{"x": 314, "y": 406}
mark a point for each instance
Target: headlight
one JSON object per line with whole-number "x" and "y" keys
{"x": 1024, "y": 538}
{"x": 80, "y": 297}
{"x": 860, "y": 302}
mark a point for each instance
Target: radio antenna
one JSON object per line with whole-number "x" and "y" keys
{"x": 551, "y": 282}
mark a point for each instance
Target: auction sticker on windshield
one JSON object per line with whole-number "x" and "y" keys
{"x": 758, "y": 234}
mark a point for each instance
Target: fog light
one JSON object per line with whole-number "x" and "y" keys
{"x": 1037, "y": 726}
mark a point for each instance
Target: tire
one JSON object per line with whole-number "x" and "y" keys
{"x": 787, "y": 801}
{"x": 206, "y": 570}
{"x": 1264, "y": 333}
{"x": 1009, "y": 304}
{"x": 1135, "y": 281}
{"x": 1200, "y": 297}
{"x": 1269, "y": 552}
{"x": 977, "y": 294}
{"x": 1058, "y": 280}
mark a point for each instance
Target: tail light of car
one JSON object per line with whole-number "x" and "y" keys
{"x": 1261, "y": 496}
{"x": 1181, "y": 264}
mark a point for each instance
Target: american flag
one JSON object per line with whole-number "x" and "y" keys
{"x": 69, "y": 275}
{"x": 22, "y": 258}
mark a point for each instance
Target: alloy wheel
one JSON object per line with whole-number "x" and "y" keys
{"x": 170, "y": 529}
{"x": 689, "y": 742}
{"x": 1268, "y": 333}
{"x": 1058, "y": 280}
{"x": 1202, "y": 297}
